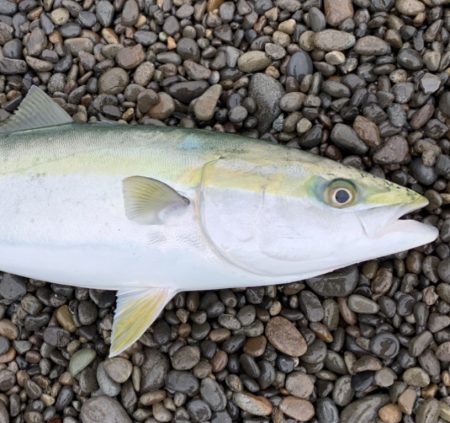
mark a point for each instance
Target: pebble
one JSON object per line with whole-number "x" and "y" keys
{"x": 299, "y": 65}
{"x": 130, "y": 13}
{"x": 12, "y": 287}
{"x": 365, "y": 409}
{"x": 204, "y": 106}
{"x": 385, "y": 345}
{"x": 416, "y": 376}
{"x": 336, "y": 284}
{"x": 430, "y": 83}
{"x": 331, "y": 39}
{"x": 113, "y": 81}
{"x": 182, "y": 381}
{"x": 213, "y": 394}
{"x": 256, "y": 405}
{"x": 253, "y": 61}
{"x": 80, "y": 360}
{"x": 186, "y": 358}
{"x": 390, "y": 413}
{"x": 103, "y": 409}
{"x": 443, "y": 352}
{"x": 371, "y": 46}
{"x": 428, "y": 411}
{"x": 410, "y": 59}
{"x": 266, "y": 92}
{"x": 367, "y": 131}
{"x": 130, "y": 57}
{"x": 285, "y": 337}
{"x": 345, "y": 137}
{"x": 118, "y": 369}
{"x": 300, "y": 384}
{"x": 199, "y": 411}
{"x": 297, "y": 408}
{"x": 409, "y": 7}
{"x": 395, "y": 150}
{"x": 444, "y": 103}
{"x": 8, "y": 329}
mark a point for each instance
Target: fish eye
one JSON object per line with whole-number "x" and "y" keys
{"x": 340, "y": 193}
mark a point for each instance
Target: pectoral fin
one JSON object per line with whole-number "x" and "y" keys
{"x": 135, "y": 312}
{"x": 147, "y": 200}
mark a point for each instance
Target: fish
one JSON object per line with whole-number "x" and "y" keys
{"x": 152, "y": 211}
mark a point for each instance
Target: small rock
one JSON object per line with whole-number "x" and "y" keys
{"x": 285, "y": 337}
{"x": 204, "y": 106}
{"x": 300, "y": 384}
{"x": 345, "y": 137}
{"x": 181, "y": 381}
{"x": 253, "y": 61}
{"x": 103, "y": 409}
{"x": 371, "y": 46}
{"x": 130, "y": 13}
{"x": 119, "y": 369}
{"x": 416, "y": 376}
{"x": 331, "y": 39}
{"x": 339, "y": 283}
{"x": 130, "y": 57}
{"x": 363, "y": 410}
{"x": 299, "y": 65}
{"x": 113, "y": 81}
{"x": 267, "y": 92}
{"x": 430, "y": 83}
{"x": 164, "y": 108}
{"x": 394, "y": 151}
{"x": 186, "y": 358}
{"x": 390, "y": 413}
{"x": 80, "y": 360}
{"x": 362, "y": 305}
{"x": 256, "y": 405}
{"x": 297, "y": 408}
{"x": 12, "y": 287}
{"x": 337, "y": 11}
{"x": 409, "y": 7}
{"x": 367, "y": 131}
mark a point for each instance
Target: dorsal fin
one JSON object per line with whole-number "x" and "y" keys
{"x": 37, "y": 110}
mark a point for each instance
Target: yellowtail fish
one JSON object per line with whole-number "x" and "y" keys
{"x": 152, "y": 211}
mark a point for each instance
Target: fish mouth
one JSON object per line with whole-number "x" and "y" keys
{"x": 387, "y": 222}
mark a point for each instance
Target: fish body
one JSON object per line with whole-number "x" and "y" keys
{"x": 151, "y": 211}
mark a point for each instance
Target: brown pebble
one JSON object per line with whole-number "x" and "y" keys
{"x": 219, "y": 361}
{"x": 297, "y": 408}
{"x": 337, "y": 11}
{"x": 8, "y": 329}
{"x": 256, "y": 405}
{"x": 130, "y": 57}
{"x": 300, "y": 384}
{"x": 285, "y": 337}
{"x": 65, "y": 318}
{"x": 255, "y": 346}
{"x": 390, "y": 413}
{"x": 8, "y": 356}
{"x": 406, "y": 401}
{"x": 367, "y": 131}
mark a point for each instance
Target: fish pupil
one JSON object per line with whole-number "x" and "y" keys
{"x": 342, "y": 196}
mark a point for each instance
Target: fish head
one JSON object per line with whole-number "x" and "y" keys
{"x": 298, "y": 219}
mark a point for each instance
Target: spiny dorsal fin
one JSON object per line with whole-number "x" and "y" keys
{"x": 135, "y": 311}
{"x": 37, "y": 110}
{"x": 147, "y": 199}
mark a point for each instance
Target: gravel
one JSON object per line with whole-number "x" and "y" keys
{"x": 361, "y": 82}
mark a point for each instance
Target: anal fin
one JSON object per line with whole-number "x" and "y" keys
{"x": 136, "y": 310}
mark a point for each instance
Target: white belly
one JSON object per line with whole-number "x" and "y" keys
{"x": 73, "y": 230}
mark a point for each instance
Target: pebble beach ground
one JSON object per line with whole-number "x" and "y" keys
{"x": 363, "y": 82}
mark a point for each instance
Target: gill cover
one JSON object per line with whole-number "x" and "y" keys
{"x": 245, "y": 222}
